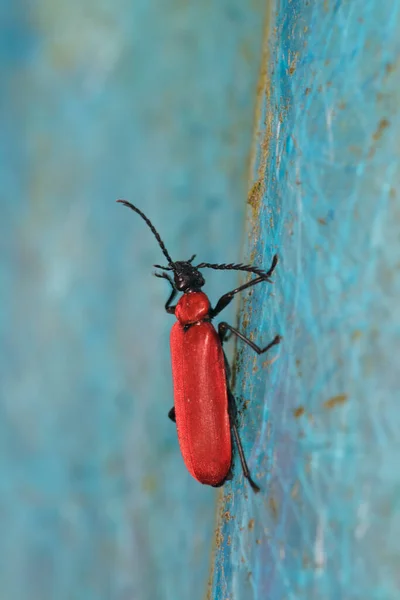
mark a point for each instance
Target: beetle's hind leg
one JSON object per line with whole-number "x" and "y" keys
{"x": 233, "y": 417}
{"x": 171, "y": 414}
{"x": 225, "y": 331}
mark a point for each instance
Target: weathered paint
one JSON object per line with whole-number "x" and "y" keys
{"x": 322, "y": 422}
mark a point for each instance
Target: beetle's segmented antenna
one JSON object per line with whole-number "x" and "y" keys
{"x": 241, "y": 267}
{"x": 151, "y": 226}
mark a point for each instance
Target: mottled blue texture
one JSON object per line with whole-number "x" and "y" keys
{"x": 322, "y": 425}
{"x": 153, "y": 102}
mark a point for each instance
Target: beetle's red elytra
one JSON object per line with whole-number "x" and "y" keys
{"x": 200, "y": 391}
{"x": 204, "y": 407}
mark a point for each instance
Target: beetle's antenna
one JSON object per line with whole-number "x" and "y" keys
{"x": 151, "y": 226}
{"x": 241, "y": 267}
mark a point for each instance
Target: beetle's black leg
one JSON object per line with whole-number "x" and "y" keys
{"x": 171, "y": 414}
{"x": 224, "y": 327}
{"x": 227, "y": 298}
{"x": 232, "y": 415}
{"x": 224, "y": 336}
{"x": 170, "y": 309}
{"x": 229, "y": 477}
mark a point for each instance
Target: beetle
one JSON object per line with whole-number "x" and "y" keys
{"x": 204, "y": 408}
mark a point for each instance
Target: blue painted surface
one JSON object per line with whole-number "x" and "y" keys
{"x": 322, "y": 425}
{"x": 153, "y": 102}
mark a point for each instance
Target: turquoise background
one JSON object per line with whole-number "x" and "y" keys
{"x": 155, "y": 103}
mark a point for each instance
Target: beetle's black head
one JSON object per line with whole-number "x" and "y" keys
{"x": 186, "y": 277}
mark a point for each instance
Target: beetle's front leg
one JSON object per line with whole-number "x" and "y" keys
{"x": 227, "y": 298}
{"x": 170, "y": 309}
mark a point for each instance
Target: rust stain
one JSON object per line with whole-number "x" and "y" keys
{"x": 336, "y": 401}
{"x": 382, "y": 125}
{"x": 273, "y": 506}
{"x": 245, "y": 320}
{"x": 263, "y": 95}
{"x": 322, "y": 221}
{"x": 389, "y": 68}
{"x": 356, "y": 335}
{"x": 255, "y": 196}
{"x": 376, "y": 136}
{"x": 292, "y": 67}
{"x": 219, "y": 538}
{"x": 227, "y": 516}
{"x": 269, "y": 361}
{"x": 294, "y": 492}
{"x": 300, "y": 410}
{"x": 251, "y": 524}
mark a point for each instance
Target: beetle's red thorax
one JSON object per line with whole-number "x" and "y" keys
{"x": 192, "y": 307}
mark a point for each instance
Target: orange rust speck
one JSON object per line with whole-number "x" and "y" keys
{"x": 389, "y": 68}
{"x": 219, "y": 538}
{"x": 273, "y": 508}
{"x": 227, "y": 516}
{"x": 256, "y": 194}
{"x": 300, "y": 410}
{"x": 294, "y": 492}
{"x": 382, "y": 125}
{"x": 336, "y": 401}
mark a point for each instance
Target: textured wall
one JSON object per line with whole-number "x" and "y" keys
{"x": 154, "y": 102}
{"x": 322, "y": 424}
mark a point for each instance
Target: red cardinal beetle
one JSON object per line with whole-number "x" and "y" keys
{"x": 204, "y": 407}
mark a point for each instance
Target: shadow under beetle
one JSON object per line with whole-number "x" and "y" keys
{"x": 204, "y": 407}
